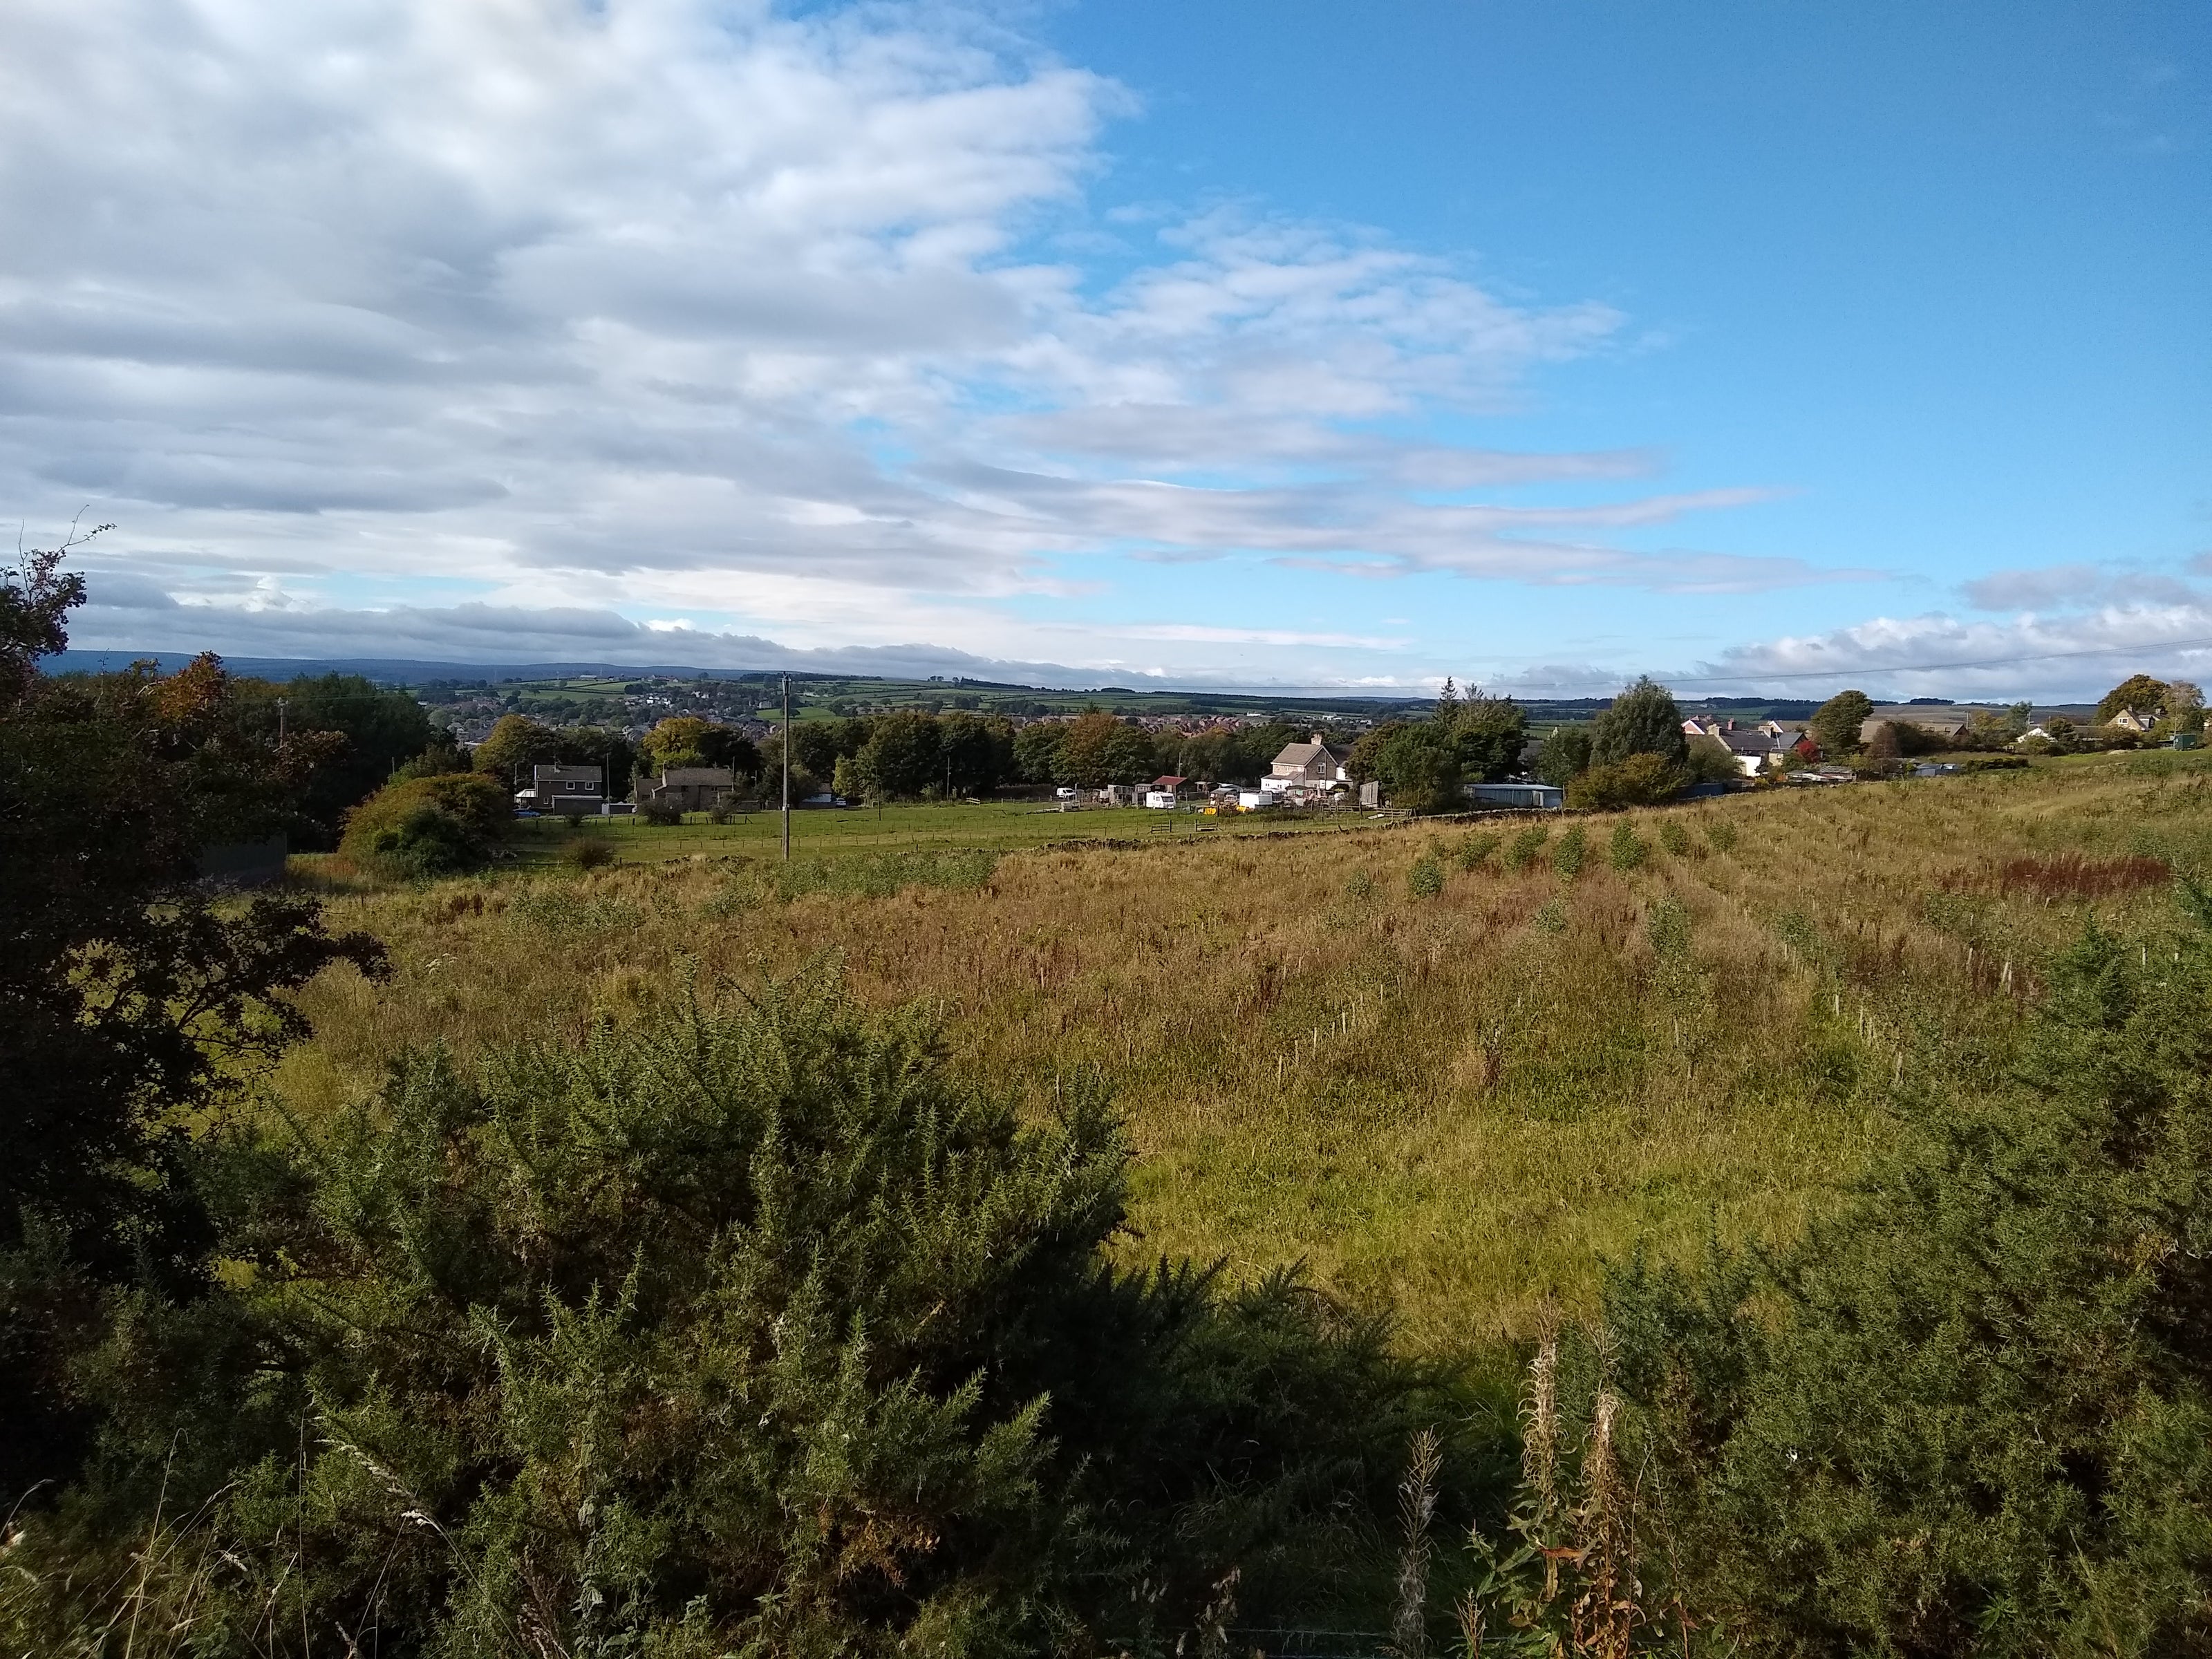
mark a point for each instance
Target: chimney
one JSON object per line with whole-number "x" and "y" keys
{"x": 1317, "y": 737}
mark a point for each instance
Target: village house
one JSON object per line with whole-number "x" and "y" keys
{"x": 688, "y": 788}
{"x": 1305, "y": 767}
{"x": 1947, "y": 722}
{"x": 1752, "y": 745}
{"x": 563, "y": 789}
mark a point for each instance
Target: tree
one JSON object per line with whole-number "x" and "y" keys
{"x": 132, "y": 1001}
{"x": 1364, "y": 763}
{"x": 979, "y": 751}
{"x": 2185, "y": 706}
{"x": 516, "y": 744}
{"x": 1487, "y": 732}
{"x": 1098, "y": 748}
{"x": 1036, "y": 751}
{"x": 1419, "y": 767}
{"x": 379, "y": 727}
{"x": 1566, "y": 752}
{"x": 1643, "y": 719}
{"x": 684, "y": 740}
{"x": 1837, "y": 723}
{"x": 2138, "y": 693}
{"x": 1238, "y": 754}
{"x": 903, "y": 756}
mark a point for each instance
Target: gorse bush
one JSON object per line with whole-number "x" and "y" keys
{"x": 1627, "y": 850}
{"x": 1972, "y": 1411}
{"x": 741, "y": 1329}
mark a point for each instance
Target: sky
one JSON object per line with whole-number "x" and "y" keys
{"x": 1766, "y": 348}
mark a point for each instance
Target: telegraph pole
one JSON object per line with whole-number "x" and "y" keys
{"x": 787, "y": 768}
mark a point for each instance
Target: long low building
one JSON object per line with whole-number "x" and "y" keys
{"x": 1538, "y": 797}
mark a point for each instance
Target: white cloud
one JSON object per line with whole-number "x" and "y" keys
{"x": 692, "y": 305}
{"x": 2054, "y": 656}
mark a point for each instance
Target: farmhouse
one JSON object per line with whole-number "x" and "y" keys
{"x": 1305, "y": 766}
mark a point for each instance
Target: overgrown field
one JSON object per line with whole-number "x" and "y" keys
{"x": 1449, "y": 1068}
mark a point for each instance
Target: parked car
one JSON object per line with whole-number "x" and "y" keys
{"x": 1063, "y": 794}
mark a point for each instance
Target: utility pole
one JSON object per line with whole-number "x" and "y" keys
{"x": 787, "y": 768}
{"x": 280, "y": 722}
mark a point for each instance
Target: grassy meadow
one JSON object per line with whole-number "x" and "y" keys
{"x": 1448, "y": 1067}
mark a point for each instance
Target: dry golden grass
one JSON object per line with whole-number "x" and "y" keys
{"x": 1454, "y": 1103}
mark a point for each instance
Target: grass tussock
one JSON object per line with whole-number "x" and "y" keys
{"x": 1446, "y": 1068}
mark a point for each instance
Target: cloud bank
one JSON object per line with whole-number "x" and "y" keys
{"x": 699, "y": 312}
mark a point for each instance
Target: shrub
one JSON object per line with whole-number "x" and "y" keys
{"x": 1571, "y": 853}
{"x": 1627, "y": 849}
{"x": 1426, "y": 880}
{"x": 1475, "y": 852}
{"x": 662, "y": 814}
{"x": 757, "y": 1330}
{"x": 1523, "y": 850}
{"x": 1675, "y": 839}
{"x": 1979, "y": 1400}
{"x": 1722, "y": 837}
{"x": 1641, "y": 780}
{"x": 435, "y": 826}
{"x": 588, "y": 852}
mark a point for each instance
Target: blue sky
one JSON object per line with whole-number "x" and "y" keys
{"x": 1765, "y": 346}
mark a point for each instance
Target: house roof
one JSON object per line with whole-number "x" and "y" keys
{"x": 564, "y": 775}
{"x": 1752, "y": 742}
{"x": 1305, "y": 754}
{"x": 700, "y": 775}
{"x": 1167, "y": 781}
